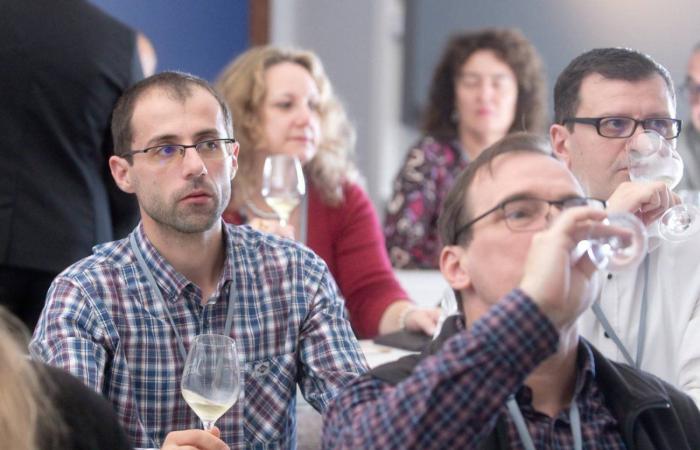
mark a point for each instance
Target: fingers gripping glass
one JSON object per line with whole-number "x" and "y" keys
{"x": 624, "y": 127}
{"x": 211, "y": 149}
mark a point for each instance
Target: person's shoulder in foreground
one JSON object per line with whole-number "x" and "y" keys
{"x": 89, "y": 422}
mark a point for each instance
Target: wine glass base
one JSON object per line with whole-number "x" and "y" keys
{"x": 679, "y": 223}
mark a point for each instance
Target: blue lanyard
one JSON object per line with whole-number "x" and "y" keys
{"x": 154, "y": 287}
{"x": 642, "y": 327}
{"x": 159, "y": 295}
{"x": 521, "y": 426}
{"x": 303, "y": 219}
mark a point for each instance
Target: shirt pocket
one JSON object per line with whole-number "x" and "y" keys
{"x": 269, "y": 387}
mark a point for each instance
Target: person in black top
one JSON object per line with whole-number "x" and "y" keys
{"x": 44, "y": 408}
{"x": 64, "y": 66}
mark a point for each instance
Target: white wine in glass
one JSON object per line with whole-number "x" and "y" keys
{"x": 653, "y": 158}
{"x": 283, "y": 184}
{"x": 210, "y": 379}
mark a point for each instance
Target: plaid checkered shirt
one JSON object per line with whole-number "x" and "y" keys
{"x": 104, "y": 324}
{"x": 453, "y": 399}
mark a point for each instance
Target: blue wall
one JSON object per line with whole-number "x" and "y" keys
{"x": 194, "y": 36}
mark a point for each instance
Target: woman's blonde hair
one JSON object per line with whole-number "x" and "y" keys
{"x": 242, "y": 84}
{"x": 26, "y": 411}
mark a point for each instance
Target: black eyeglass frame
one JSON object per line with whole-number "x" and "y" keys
{"x": 595, "y": 121}
{"x": 183, "y": 148}
{"x": 502, "y": 205}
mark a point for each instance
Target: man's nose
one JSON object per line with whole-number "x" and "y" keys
{"x": 646, "y": 142}
{"x": 192, "y": 163}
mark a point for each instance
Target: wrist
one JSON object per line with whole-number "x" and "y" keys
{"x": 403, "y": 317}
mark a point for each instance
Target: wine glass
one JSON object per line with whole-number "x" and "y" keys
{"x": 448, "y": 307}
{"x": 283, "y": 184}
{"x": 653, "y": 158}
{"x": 621, "y": 243}
{"x": 210, "y": 379}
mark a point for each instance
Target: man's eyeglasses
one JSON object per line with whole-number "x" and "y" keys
{"x": 209, "y": 150}
{"x": 624, "y": 127}
{"x": 531, "y": 214}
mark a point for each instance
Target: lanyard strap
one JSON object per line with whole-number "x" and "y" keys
{"x": 521, "y": 426}
{"x": 642, "y": 330}
{"x": 304, "y": 219}
{"x": 159, "y": 295}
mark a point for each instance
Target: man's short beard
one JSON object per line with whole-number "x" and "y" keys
{"x": 191, "y": 219}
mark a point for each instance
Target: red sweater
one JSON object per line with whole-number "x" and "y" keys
{"x": 349, "y": 239}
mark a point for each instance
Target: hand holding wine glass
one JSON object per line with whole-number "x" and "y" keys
{"x": 210, "y": 379}
{"x": 653, "y": 158}
{"x": 283, "y": 184}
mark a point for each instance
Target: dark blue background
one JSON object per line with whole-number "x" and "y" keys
{"x": 194, "y": 36}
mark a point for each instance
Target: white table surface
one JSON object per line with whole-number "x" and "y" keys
{"x": 425, "y": 287}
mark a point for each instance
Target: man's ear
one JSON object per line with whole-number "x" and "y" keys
{"x": 559, "y": 136}
{"x": 121, "y": 173}
{"x": 453, "y": 269}
{"x": 234, "y": 159}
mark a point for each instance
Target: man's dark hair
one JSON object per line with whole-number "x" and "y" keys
{"x": 456, "y": 209}
{"x": 613, "y": 63}
{"x": 176, "y": 84}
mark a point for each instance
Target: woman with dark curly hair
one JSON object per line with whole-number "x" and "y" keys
{"x": 487, "y": 84}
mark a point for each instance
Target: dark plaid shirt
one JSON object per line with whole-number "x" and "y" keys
{"x": 104, "y": 324}
{"x": 453, "y": 399}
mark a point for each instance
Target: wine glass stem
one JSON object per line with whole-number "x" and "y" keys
{"x": 208, "y": 425}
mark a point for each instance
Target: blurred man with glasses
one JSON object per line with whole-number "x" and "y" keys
{"x": 511, "y": 372}
{"x": 689, "y": 141}
{"x": 647, "y": 317}
{"x": 123, "y": 319}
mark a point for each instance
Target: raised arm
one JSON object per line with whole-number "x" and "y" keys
{"x": 453, "y": 398}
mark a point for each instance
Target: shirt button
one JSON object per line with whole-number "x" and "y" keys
{"x": 261, "y": 369}
{"x": 606, "y": 335}
{"x": 609, "y": 276}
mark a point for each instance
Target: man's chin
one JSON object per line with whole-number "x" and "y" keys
{"x": 195, "y": 225}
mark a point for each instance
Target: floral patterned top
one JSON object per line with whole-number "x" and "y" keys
{"x": 420, "y": 188}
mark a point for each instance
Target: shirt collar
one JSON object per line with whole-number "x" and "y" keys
{"x": 171, "y": 282}
{"x": 585, "y": 368}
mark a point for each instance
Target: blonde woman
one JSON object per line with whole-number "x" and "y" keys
{"x": 282, "y": 102}
{"x": 44, "y": 408}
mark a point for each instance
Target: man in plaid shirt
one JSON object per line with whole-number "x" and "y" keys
{"x": 122, "y": 319}
{"x": 512, "y": 372}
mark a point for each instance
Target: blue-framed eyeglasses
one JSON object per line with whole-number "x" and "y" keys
{"x": 211, "y": 149}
